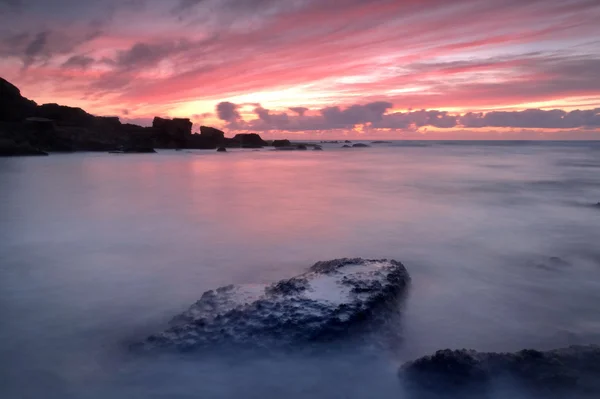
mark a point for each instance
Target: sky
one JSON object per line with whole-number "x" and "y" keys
{"x": 329, "y": 69}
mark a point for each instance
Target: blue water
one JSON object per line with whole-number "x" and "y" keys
{"x": 98, "y": 251}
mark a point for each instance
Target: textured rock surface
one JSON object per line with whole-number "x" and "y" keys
{"x": 321, "y": 304}
{"x": 574, "y": 370}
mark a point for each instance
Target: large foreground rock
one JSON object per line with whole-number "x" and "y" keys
{"x": 569, "y": 372}
{"x": 324, "y": 303}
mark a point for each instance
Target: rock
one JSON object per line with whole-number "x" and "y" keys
{"x": 65, "y": 116}
{"x": 10, "y": 148}
{"x": 556, "y": 372}
{"x": 598, "y": 205}
{"x": 348, "y": 142}
{"x": 381, "y": 142}
{"x": 139, "y": 150}
{"x": 360, "y": 145}
{"x": 324, "y": 303}
{"x": 301, "y": 147}
{"x": 346, "y": 146}
{"x": 250, "y": 140}
{"x": 178, "y": 127}
{"x": 281, "y": 143}
{"x": 207, "y": 131}
{"x": 13, "y": 106}
{"x": 318, "y": 148}
{"x": 221, "y": 149}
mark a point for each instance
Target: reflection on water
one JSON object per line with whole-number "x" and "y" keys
{"x": 99, "y": 250}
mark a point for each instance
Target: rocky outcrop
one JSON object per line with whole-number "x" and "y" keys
{"x": 66, "y": 116}
{"x": 327, "y": 302}
{"x": 13, "y": 106}
{"x": 551, "y": 374}
{"x": 221, "y": 149}
{"x": 211, "y": 132}
{"x": 54, "y": 127}
{"x": 281, "y": 143}
{"x": 249, "y": 140}
{"x": 360, "y": 145}
{"x": 171, "y": 133}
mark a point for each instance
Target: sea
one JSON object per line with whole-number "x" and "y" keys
{"x": 98, "y": 251}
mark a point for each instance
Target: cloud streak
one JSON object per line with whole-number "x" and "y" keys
{"x": 310, "y": 62}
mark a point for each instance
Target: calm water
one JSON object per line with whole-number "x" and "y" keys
{"x": 97, "y": 251}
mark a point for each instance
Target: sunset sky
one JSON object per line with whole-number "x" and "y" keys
{"x": 430, "y": 69}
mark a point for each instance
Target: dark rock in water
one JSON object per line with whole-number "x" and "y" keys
{"x": 208, "y": 131}
{"x": 360, "y": 145}
{"x": 10, "y": 148}
{"x": 250, "y": 140}
{"x": 597, "y": 205}
{"x": 221, "y": 149}
{"x": 346, "y": 146}
{"x": 281, "y": 143}
{"x": 347, "y": 142}
{"x": 324, "y": 303}
{"x": 177, "y": 129}
{"x": 318, "y": 148}
{"x": 381, "y": 142}
{"x": 301, "y": 147}
{"x": 139, "y": 150}
{"x": 571, "y": 370}
{"x": 553, "y": 263}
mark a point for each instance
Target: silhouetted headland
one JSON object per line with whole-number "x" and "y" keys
{"x": 27, "y": 128}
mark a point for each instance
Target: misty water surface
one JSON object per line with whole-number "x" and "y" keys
{"x": 98, "y": 251}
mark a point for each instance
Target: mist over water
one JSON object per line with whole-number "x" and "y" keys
{"x": 98, "y": 251}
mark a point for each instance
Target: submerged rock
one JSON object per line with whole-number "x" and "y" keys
{"x": 574, "y": 370}
{"x": 360, "y": 145}
{"x": 324, "y": 303}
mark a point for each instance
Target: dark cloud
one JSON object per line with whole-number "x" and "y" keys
{"x": 142, "y": 55}
{"x": 355, "y": 114}
{"x": 299, "y": 110}
{"x": 78, "y": 61}
{"x": 228, "y": 112}
{"x": 35, "y": 48}
{"x": 374, "y": 116}
{"x": 533, "y": 118}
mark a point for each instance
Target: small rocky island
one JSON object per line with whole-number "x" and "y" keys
{"x": 27, "y": 128}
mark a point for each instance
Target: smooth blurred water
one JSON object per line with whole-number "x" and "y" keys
{"x": 99, "y": 250}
